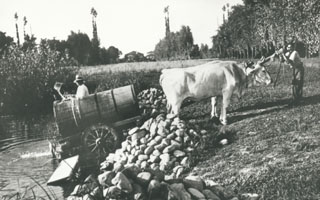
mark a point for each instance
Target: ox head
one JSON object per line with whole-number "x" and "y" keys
{"x": 258, "y": 72}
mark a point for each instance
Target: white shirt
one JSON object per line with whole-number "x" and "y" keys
{"x": 82, "y": 91}
{"x": 295, "y": 58}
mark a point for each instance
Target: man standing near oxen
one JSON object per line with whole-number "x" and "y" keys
{"x": 293, "y": 59}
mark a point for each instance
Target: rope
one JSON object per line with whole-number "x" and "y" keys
{"x": 278, "y": 74}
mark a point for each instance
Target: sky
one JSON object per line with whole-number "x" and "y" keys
{"x": 129, "y": 25}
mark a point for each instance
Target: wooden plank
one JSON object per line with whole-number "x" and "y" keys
{"x": 126, "y": 121}
{"x": 64, "y": 170}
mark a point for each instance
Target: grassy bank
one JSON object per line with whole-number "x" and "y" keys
{"x": 272, "y": 149}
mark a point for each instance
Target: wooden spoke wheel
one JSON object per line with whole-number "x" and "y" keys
{"x": 100, "y": 140}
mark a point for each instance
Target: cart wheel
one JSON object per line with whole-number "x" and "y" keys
{"x": 100, "y": 140}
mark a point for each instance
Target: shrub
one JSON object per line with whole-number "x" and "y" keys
{"x": 27, "y": 79}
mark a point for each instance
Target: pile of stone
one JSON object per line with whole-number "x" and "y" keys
{"x": 153, "y": 161}
{"x": 131, "y": 182}
{"x": 160, "y": 143}
{"x": 152, "y": 102}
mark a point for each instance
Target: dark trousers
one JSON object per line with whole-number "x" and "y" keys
{"x": 297, "y": 82}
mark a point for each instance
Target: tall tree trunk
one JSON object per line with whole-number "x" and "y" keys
{"x": 319, "y": 46}
{"x": 253, "y": 52}
{"x": 18, "y": 38}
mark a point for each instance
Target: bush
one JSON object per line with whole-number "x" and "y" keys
{"x": 27, "y": 79}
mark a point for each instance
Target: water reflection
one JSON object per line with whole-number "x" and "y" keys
{"x": 26, "y": 162}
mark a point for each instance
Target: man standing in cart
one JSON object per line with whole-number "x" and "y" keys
{"x": 82, "y": 90}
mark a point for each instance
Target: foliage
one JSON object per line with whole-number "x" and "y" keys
{"x": 205, "y": 52}
{"x": 57, "y": 45}
{"x": 113, "y": 55}
{"x": 258, "y": 27}
{"x": 5, "y": 42}
{"x": 29, "y": 42}
{"x": 80, "y": 46}
{"x": 27, "y": 78}
{"x": 177, "y": 45}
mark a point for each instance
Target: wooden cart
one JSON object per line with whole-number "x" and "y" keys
{"x": 92, "y": 126}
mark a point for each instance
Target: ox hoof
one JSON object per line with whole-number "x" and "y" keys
{"x": 223, "y": 122}
{"x": 215, "y": 120}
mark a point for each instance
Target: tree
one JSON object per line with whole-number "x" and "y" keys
{"x": 185, "y": 42}
{"x": 94, "y": 23}
{"x": 80, "y": 46}
{"x": 204, "y": 51}
{"x": 17, "y": 29}
{"x": 24, "y": 26}
{"x": 95, "y": 43}
{"x": 175, "y": 45}
{"x": 166, "y": 18}
{"x": 260, "y": 26}
{"x": 27, "y": 78}
{"x": 195, "y": 52}
{"x": 113, "y": 54}
{"x": 5, "y": 43}
{"x": 29, "y": 42}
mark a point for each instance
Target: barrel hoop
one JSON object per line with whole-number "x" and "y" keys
{"x": 134, "y": 95}
{"x": 114, "y": 102}
{"x": 98, "y": 106}
{"x": 73, "y": 112}
{"x": 78, "y": 108}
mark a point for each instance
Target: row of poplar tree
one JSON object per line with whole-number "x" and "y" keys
{"x": 258, "y": 27}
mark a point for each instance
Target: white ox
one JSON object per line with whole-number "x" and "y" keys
{"x": 217, "y": 78}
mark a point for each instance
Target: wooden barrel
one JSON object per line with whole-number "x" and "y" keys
{"x": 87, "y": 111}
{"x": 72, "y": 116}
{"x": 66, "y": 118}
{"x": 118, "y": 104}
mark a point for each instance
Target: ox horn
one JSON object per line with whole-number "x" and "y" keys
{"x": 262, "y": 59}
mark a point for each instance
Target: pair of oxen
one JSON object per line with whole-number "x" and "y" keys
{"x": 218, "y": 78}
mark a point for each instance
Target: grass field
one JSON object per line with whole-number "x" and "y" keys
{"x": 273, "y": 150}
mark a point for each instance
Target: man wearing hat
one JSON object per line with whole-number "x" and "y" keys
{"x": 82, "y": 89}
{"x": 293, "y": 59}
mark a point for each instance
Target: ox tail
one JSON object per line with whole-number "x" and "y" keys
{"x": 161, "y": 79}
{"x": 163, "y": 71}
{"x": 168, "y": 106}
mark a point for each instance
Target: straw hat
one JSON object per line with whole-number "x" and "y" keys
{"x": 78, "y": 78}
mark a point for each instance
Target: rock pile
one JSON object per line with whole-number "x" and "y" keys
{"x": 153, "y": 160}
{"x": 160, "y": 143}
{"x": 152, "y": 102}
{"x": 132, "y": 183}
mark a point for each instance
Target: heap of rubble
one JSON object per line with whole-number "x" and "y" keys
{"x": 153, "y": 161}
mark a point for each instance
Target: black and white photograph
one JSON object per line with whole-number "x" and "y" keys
{"x": 160, "y": 100}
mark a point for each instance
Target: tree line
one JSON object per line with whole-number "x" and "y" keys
{"x": 180, "y": 44}
{"x": 258, "y": 27}
{"x": 78, "y": 46}
{"x": 84, "y": 51}
{"x": 250, "y": 30}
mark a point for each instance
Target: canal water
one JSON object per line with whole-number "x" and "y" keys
{"x": 26, "y": 163}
